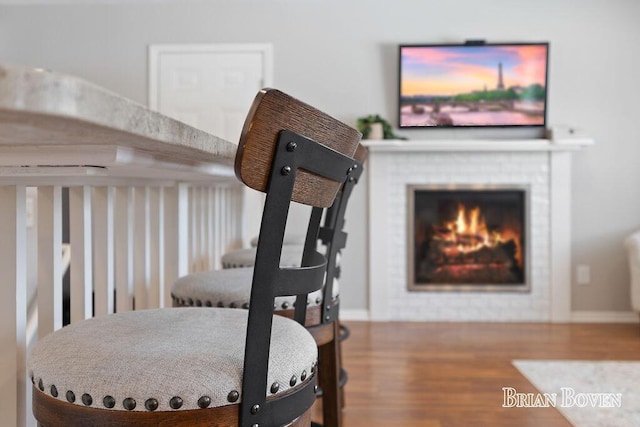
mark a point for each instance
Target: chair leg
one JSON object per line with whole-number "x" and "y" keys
{"x": 341, "y": 370}
{"x": 329, "y": 378}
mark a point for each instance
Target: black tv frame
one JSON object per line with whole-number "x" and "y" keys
{"x": 472, "y": 44}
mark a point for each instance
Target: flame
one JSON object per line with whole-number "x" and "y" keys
{"x": 469, "y": 232}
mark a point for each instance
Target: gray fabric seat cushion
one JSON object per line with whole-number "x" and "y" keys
{"x": 160, "y": 354}
{"x": 230, "y": 288}
{"x": 289, "y": 239}
{"x": 291, "y": 256}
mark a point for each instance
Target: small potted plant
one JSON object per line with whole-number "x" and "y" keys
{"x": 375, "y": 127}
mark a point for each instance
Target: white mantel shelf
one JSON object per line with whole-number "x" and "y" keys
{"x": 477, "y": 145}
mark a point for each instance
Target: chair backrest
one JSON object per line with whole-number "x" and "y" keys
{"x": 291, "y": 151}
{"x": 273, "y": 111}
{"x": 334, "y": 238}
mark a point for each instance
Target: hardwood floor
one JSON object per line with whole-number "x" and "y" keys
{"x": 452, "y": 374}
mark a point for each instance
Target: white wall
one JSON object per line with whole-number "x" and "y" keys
{"x": 341, "y": 56}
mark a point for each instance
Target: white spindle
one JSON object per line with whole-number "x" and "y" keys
{"x": 13, "y": 305}
{"x": 155, "y": 238}
{"x": 141, "y": 247}
{"x": 211, "y": 256}
{"x": 204, "y": 228}
{"x": 223, "y": 219}
{"x": 123, "y": 245}
{"x": 170, "y": 227}
{"x": 237, "y": 216}
{"x": 217, "y": 225}
{"x": 49, "y": 260}
{"x": 103, "y": 249}
{"x": 229, "y": 206}
{"x": 183, "y": 229}
{"x": 197, "y": 237}
{"x": 81, "y": 248}
{"x": 192, "y": 229}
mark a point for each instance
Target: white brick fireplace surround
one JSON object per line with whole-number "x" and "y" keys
{"x": 542, "y": 166}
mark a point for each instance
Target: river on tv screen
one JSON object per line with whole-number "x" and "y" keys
{"x": 473, "y": 85}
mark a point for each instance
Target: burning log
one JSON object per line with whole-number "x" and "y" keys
{"x": 442, "y": 253}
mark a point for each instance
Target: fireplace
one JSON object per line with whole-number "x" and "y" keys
{"x": 540, "y": 168}
{"x": 467, "y": 238}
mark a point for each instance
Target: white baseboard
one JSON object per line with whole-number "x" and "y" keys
{"x": 604, "y": 317}
{"x": 354, "y": 314}
{"x": 576, "y": 316}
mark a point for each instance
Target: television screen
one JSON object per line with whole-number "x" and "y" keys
{"x": 473, "y": 85}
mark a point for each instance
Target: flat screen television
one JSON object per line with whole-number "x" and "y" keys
{"x": 473, "y": 85}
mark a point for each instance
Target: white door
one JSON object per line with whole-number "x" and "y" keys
{"x": 208, "y": 86}
{"x": 211, "y": 87}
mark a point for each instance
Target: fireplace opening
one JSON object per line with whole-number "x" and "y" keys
{"x": 467, "y": 239}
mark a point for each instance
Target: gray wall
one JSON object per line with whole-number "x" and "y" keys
{"x": 341, "y": 56}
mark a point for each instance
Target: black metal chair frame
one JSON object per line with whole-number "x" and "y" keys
{"x": 292, "y": 152}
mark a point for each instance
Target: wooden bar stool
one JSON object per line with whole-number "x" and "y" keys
{"x": 232, "y": 287}
{"x": 211, "y": 366}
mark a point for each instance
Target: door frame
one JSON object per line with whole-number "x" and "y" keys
{"x": 156, "y": 50}
{"x": 252, "y": 201}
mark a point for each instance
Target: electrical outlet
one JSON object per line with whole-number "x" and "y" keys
{"x": 583, "y": 274}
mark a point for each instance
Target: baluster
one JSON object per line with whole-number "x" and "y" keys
{"x": 197, "y": 230}
{"x": 141, "y": 246}
{"x": 13, "y": 305}
{"x": 204, "y": 229}
{"x": 211, "y": 229}
{"x": 217, "y": 227}
{"x": 103, "y": 255}
{"x": 192, "y": 230}
{"x": 229, "y": 205}
{"x": 183, "y": 230}
{"x": 223, "y": 220}
{"x": 171, "y": 234}
{"x": 123, "y": 245}
{"x": 81, "y": 249}
{"x": 49, "y": 260}
{"x": 156, "y": 242}
{"x": 237, "y": 217}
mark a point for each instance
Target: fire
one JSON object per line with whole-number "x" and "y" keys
{"x": 470, "y": 222}
{"x": 469, "y": 233}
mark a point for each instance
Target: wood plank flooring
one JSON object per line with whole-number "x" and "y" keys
{"x": 452, "y": 374}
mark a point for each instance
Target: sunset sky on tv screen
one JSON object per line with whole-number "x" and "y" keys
{"x": 447, "y": 71}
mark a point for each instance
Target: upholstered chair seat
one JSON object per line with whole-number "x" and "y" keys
{"x": 290, "y": 257}
{"x": 230, "y": 288}
{"x": 165, "y": 360}
{"x": 290, "y": 239}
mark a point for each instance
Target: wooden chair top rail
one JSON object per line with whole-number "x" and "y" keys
{"x": 273, "y": 111}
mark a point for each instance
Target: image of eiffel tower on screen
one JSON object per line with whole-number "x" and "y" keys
{"x": 473, "y": 85}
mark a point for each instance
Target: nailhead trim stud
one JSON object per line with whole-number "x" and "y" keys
{"x": 151, "y": 404}
{"x": 87, "y": 399}
{"x": 129, "y": 404}
{"x": 204, "y": 402}
{"x": 175, "y": 402}
{"x": 233, "y": 396}
{"x": 109, "y": 402}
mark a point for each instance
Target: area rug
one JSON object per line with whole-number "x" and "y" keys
{"x": 588, "y": 394}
